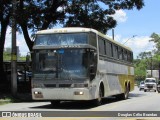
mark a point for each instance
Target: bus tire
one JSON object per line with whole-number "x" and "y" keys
{"x": 98, "y": 101}
{"x": 124, "y": 95}
{"x": 55, "y": 102}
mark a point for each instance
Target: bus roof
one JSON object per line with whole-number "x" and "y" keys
{"x": 80, "y": 29}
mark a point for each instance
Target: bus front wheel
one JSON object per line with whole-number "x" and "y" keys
{"x": 98, "y": 101}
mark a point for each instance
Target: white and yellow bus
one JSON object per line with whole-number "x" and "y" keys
{"x": 80, "y": 64}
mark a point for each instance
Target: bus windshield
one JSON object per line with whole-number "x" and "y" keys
{"x": 62, "y": 63}
{"x": 59, "y": 39}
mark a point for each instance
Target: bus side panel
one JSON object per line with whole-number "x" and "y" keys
{"x": 114, "y": 76}
{"x": 114, "y": 85}
{"x": 126, "y": 79}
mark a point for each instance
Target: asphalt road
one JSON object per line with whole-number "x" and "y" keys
{"x": 138, "y": 101}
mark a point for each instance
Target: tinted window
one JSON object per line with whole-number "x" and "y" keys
{"x": 120, "y": 53}
{"x": 130, "y": 56}
{"x": 115, "y": 51}
{"x": 109, "y": 49}
{"x": 61, "y": 39}
{"x": 102, "y": 47}
{"x": 125, "y": 55}
{"x": 149, "y": 80}
{"x": 92, "y": 39}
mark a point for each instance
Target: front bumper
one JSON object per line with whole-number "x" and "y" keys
{"x": 62, "y": 94}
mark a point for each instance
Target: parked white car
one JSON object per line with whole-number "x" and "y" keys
{"x": 141, "y": 85}
{"x": 150, "y": 84}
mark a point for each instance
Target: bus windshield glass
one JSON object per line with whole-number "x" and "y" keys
{"x": 59, "y": 39}
{"x": 62, "y": 63}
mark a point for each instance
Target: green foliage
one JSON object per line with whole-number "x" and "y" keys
{"x": 37, "y": 15}
{"x": 156, "y": 39}
{"x": 148, "y": 60}
{"x": 43, "y": 14}
{"x": 33, "y": 15}
{"x": 22, "y": 58}
{"x": 88, "y": 13}
{"x": 7, "y": 55}
{"x": 5, "y": 15}
{"x": 140, "y": 69}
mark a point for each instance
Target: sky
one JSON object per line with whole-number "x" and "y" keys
{"x": 139, "y": 23}
{"x": 134, "y": 28}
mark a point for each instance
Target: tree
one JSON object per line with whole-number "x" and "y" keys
{"x": 140, "y": 69}
{"x": 156, "y": 39}
{"x": 144, "y": 55}
{"x": 5, "y": 13}
{"x": 33, "y": 15}
{"x": 156, "y": 58}
{"x": 147, "y": 60}
{"x": 7, "y": 54}
{"x": 43, "y": 14}
{"x": 38, "y": 15}
{"x": 141, "y": 64}
{"x": 89, "y": 13}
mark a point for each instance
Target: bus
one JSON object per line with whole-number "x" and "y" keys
{"x": 77, "y": 63}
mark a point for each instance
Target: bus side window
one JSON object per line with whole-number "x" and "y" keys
{"x": 115, "y": 52}
{"x": 92, "y": 39}
{"x": 120, "y": 53}
{"x": 109, "y": 48}
{"x": 125, "y": 55}
{"x": 129, "y": 57}
{"x": 102, "y": 46}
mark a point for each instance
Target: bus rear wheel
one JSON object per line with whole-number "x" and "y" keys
{"x": 124, "y": 95}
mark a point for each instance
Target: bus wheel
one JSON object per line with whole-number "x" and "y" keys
{"x": 98, "y": 101}
{"x": 124, "y": 95}
{"x": 55, "y": 102}
{"x": 126, "y": 92}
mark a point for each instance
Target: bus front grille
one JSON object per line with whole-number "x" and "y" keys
{"x": 50, "y": 85}
{"x": 57, "y": 85}
{"x": 65, "y": 85}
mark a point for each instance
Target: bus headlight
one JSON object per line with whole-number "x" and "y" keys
{"x": 78, "y": 93}
{"x": 38, "y": 94}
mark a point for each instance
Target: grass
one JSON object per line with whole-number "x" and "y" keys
{"x": 7, "y": 98}
{"x": 5, "y": 101}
